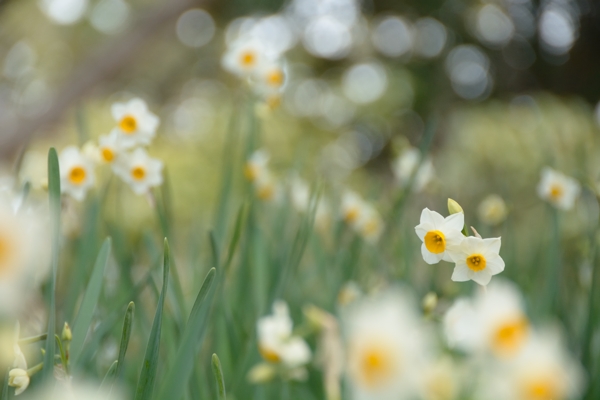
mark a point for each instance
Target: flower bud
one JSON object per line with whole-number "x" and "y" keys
{"x": 19, "y": 379}
{"x": 454, "y": 207}
{"x": 261, "y": 373}
{"x": 67, "y": 335}
{"x": 429, "y": 302}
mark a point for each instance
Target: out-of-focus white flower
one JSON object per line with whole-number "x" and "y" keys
{"x": 406, "y": 165}
{"x": 370, "y": 224}
{"x": 136, "y": 125}
{"x": 109, "y": 147}
{"x": 558, "y": 189}
{"x": 477, "y": 259}
{"x": 20, "y": 267}
{"x": 276, "y": 342}
{"x": 19, "y": 379}
{"x": 300, "y": 196}
{"x": 387, "y": 348}
{"x": 243, "y": 57}
{"x": 439, "y": 235}
{"x": 543, "y": 371}
{"x": 140, "y": 171}
{"x": 493, "y": 321}
{"x": 352, "y": 206}
{"x": 492, "y": 210}
{"x": 267, "y": 188}
{"x": 76, "y": 173}
{"x": 270, "y": 78}
{"x": 441, "y": 380}
{"x": 257, "y": 165}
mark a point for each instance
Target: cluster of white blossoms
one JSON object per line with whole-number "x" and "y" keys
{"x": 264, "y": 70}
{"x": 122, "y": 149}
{"x": 475, "y": 258}
{"x": 283, "y": 352}
{"x": 558, "y": 189}
{"x": 361, "y": 216}
{"x": 511, "y": 358}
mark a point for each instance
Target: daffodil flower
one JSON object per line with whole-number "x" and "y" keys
{"x": 558, "y": 189}
{"x": 477, "y": 259}
{"x": 136, "y": 125}
{"x": 140, "y": 171}
{"x": 439, "y": 235}
{"x": 19, "y": 379}
{"x": 76, "y": 173}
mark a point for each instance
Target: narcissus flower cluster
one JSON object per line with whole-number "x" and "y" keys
{"x": 475, "y": 258}
{"x": 122, "y": 149}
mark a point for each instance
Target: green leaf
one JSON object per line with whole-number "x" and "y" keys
{"x": 54, "y": 193}
{"x": 179, "y": 373}
{"x": 125, "y": 336}
{"x": 218, "y": 372}
{"x": 148, "y": 373}
{"x": 110, "y": 374}
{"x": 82, "y": 322}
{"x": 239, "y": 223}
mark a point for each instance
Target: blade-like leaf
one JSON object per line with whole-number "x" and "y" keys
{"x": 179, "y": 373}
{"x": 218, "y": 372}
{"x": 150, "y": 365}
{"x": 85, "y": 314}
{"x": 125, "y": 336}
{"x": 54, "y": 192}
{"x": 110, "y": 374}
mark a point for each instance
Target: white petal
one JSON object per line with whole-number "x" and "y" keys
{"x": 482, "y": 277}
{"x": 422, "y": 230}
{"x": 460, "y": 273}
{"x": 426, "y": 217}
{"x": 493, "y": 245}
{"x": 495, "y": 265}
{"x": 429, "y": 257}
{"x": 455, "y": 222}
{"x": 118, "y": 111}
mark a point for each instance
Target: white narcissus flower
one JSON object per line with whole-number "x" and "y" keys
{"x": 267, "y": 188}
{"x": 140, "y": 171}
{"x": 19, "y": 379}
{"x": 276, "y": 342}
{"x": 477, "y": 259}
{"x": 406, "y": 165}
{"x": 492, "y": 210}
{"x": 243, "y": 57}
{"x": 76, "y": 173}
{"x": 270, "y": 79}
{"x": 494, "y": 321}
{"x": 439, "y": 235}
{"x": 136, "y": 125}
{"x": 257, "y": 165}
{"x": 352, "y": 207}
{"x": 370, "y": 224}
{"x": 558, "y": 189}
{"x": 386, "y": 347}
{"x": 109, "y": 147}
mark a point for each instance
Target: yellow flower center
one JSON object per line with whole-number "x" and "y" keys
{"x": 476, "y": 262}
{"x": 138, "y": 173}
{"x": 247, "y": 59}
{"x": 435, "y": 242}
{"x": 541, "y": 389}
{"x": 250, "y": 172}
{"x": 376, "y": 366}
{"x": 269, "y": 355}
{"x": 107, "y": 154}
{"x": 77, "y": 175}
{"x": 556, "y": 191}
{"x": 5, "y": 254}
{"x": 351, "y": 214}
{"x": 128, "y": 124}
{"x": 509, "y": 336}
{"x": 266, "y": 192}
{"x": 275, "y": 78}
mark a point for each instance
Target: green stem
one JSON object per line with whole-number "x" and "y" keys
{"x": 33, "y": 339}
{"x": 35, "y": 369}
{"x": 63, "y": 355}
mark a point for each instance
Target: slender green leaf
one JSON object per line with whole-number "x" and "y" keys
{"x": 127, "y": 323}
{"x": 179, "y": 373}
{"x": 148, "y": 373}
{"x": 110, "y": 374}
{"x": 54, "y": 192}
{"x": 239, "y": 223}
{"x": 218, "y": 372}
{"x": 82, "y": 322}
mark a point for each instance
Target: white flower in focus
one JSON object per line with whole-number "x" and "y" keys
{"x": 386, "y": 347}
{"x": 543, "y": 371}
{"x": 406, "y": 165}
{"x": 477, "y": 259}
{"x": 492, "y": 210}
{"x": 494, "y": 321}
{"x": 439, "y": 235}
{"x": 558, "y": 189}
{"x": 136, "y": 125}
{"x": 76, "y": 173}
{"x": 243, "y": 57}
{"x": 275, "y": 341}
{"x": 140, "y": 171}
{"x": 19, "y": 379}
{"x": 256, "y": 165}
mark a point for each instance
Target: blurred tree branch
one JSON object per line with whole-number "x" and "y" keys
{"x": 101, "y": 64}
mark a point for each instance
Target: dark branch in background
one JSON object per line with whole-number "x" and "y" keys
{"x": 99, "y": 66}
